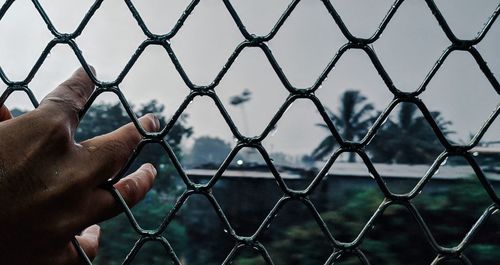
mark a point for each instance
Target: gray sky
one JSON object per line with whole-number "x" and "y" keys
{"x": 305, "y": 44}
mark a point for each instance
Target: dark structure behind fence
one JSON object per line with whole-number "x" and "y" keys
{"x": 287, "y": 192}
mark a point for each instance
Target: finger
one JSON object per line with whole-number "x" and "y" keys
{"x": 5, "y": 113}
{"x": 69, "y": 98}
{"x": 132, "y": 188}
{"x": 89, "y": 241}
{"x": 108, "y": 153}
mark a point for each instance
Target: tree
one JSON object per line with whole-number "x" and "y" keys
{"x": 208, "y": 152}
{"x": 352, "y": 120}
{"x": 395, "y": 237}
{"x": 105, "y": 117}
{"x": 409, "y": 139}
{"x": 118, "y": 235}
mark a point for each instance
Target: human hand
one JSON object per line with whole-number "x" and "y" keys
{"x": 50, "y": 185}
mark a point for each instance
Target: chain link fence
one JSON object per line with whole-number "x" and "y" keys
{"x": 289, "y": 194}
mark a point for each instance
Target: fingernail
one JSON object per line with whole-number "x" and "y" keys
{"x": 153, "y": 125}
{"x": 156, "y": 122}
{"x": 92, "y": 69}
{"x": 150, "y": 168}
{"x": 97, "y": 229}
{"x": 94, "y": 230}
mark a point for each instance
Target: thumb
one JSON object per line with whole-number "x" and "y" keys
{"x": 5, "y": 113}
{"x": 89, "y": 241}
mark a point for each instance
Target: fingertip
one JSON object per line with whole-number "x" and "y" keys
{"x": 4, "y": 113}
{"x": 134, "y": 187}
{"x": 84, "y": 77}
{"x": 94, "y": 230}
{"x": 89, "y": 241}
{"x": 92, "y": 69}
{"x": 148, "y": 173}
{"x": 148, "y": 167}
{"x": 150, "y": 122}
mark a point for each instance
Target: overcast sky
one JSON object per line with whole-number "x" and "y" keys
{"x": 303, "y": 47}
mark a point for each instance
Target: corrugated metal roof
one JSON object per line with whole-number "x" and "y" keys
{"x": 357, "y": 170}
{"x": 240, "y": 174}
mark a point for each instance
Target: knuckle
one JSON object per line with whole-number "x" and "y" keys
{"x": 77, "y": 88}
{"x": 131, "y": 191}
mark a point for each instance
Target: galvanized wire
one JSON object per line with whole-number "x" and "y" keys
{"x": 303, "y": 196}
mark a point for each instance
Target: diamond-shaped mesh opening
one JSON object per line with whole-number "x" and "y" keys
{"x": 188, "y": 62}
{"x": 251, "y": 92}
{"x": 165, "y": 86}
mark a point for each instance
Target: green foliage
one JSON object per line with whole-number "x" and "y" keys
{"x": 409, "y": 139}
{"x": 118, "y": 235}
{"x": 105, "y": 117}
{"x": 415, "y": 141}
{"x": 250, "y": 261}
{"x": 395, "y": 237}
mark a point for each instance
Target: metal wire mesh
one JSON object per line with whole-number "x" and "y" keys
{"x": 251, "y": 40}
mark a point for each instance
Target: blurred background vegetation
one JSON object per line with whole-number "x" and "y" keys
{"x": 198, "y": 237}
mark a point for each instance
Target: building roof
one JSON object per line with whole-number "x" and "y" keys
{"x": 345, "y": 169}
{"x": 407, "y": 171}
{"x": 231, "y": 173}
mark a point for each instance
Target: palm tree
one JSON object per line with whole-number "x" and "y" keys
{"x": 352, "y": 120}
{"x": 409, "y": 139}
